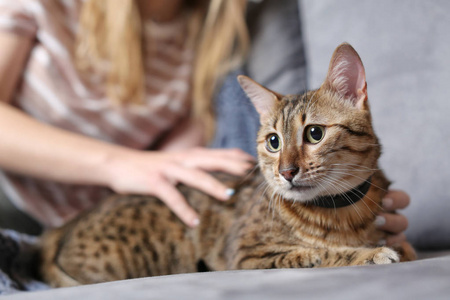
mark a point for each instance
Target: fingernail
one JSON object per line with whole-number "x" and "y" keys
{"x": 229, "y": 192}
{"x": 387, "y": 203}
{"x": 196, "y": 222}
{"x": 380, "y": 221}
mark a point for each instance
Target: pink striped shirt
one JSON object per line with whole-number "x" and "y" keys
{"x": 52, "y": 92}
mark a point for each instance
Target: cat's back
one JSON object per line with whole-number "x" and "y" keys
{"x": 128, "y": 236}
{"x": 115, "y": 240}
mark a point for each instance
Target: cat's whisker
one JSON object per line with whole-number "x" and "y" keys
{"x": 319, "y": 182}
{"x": 344, "y": 173}
{"x": 263, "y": 185}
{"x": 272, "y": 201}
{"x": 332, "y": 183}
{"x": 346, "y": 185}
{"x": 277, "y": 200}
{"x": 347, "y": 173}
{"x": 271, "y": 206}
{"x": 341, "y": 184}
{"x": 266, "y": 186}
{"x": 347, "y": 170}
{"x": 352, "y": 203}
{"x": 355, "y": 166}
{"x": 360, "y": 143}
{"x": 350, "y": 174}
{"x": 251, "y": 172}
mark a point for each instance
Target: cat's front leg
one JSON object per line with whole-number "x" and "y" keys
{"x": 279, "y": 258}
{"x": 315, "y": 257}
{"x": 361, "y": 256}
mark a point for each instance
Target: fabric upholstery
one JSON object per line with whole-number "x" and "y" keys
{"x": 426, "y": 279}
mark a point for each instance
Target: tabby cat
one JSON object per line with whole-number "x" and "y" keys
{"x": 311, "y": 203}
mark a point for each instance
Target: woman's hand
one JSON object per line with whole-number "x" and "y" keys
{"x": 391, "y": 222}
{"x": 157, "y": 173}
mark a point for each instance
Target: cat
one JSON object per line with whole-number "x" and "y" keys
{"x": 311, "y": 202}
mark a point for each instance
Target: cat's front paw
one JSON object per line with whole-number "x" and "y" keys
{"x": 300, "y": 259}
{"x": 382, "y": 256}
{"x": 312, "y": 260}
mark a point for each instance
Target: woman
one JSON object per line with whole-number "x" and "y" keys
{"x": 88, "y": 85}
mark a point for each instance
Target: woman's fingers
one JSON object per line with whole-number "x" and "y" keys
{"x": 390, "y": 222}
{"x": 234, "y": 167}
{"x": 395, "y": 199}
{"x": 235, "y": 161}
{"x": 168, "y": 194}
{"x": 215, "y": 160}
{"x": 158, "y": 173}
{"x": 201, "y": 181}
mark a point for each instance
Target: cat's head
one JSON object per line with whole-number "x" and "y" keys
{"x": 319, "y": 143}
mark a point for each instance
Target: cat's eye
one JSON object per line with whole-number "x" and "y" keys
{"x": 273, "y": 143}
{"x": 314, "y": 134}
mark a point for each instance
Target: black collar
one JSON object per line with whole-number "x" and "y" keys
{"x": 344, "y": 199}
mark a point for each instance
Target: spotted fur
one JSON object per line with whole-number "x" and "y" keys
{"x": 270, "y": 222}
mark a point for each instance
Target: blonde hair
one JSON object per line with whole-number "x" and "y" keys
{"x": 110, "y": 43}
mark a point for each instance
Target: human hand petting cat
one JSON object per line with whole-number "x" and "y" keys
{"x": 157, "y": 173}
{"x": 391, "y": 222}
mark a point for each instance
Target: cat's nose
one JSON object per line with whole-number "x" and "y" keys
{"x": 289, "y": 173}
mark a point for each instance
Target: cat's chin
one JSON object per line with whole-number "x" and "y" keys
{"x": 299, "y": 193}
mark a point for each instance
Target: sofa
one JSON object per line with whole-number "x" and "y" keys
{"x": 405, "y": 47}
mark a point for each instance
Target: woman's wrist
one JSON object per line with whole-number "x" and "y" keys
{"x": 111, "y": 163}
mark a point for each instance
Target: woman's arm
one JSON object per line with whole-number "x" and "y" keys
{"x": 36, "y": 149}
{"x": 32, "y": 148}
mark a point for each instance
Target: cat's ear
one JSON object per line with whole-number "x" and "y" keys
{"x": 263, "y": 99}
{"x": 346, "y": 75}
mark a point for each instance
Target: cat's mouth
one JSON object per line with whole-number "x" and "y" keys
{"x": 301, "y": 187}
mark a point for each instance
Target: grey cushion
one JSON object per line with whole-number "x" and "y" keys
{"x": 425, "y": 279}
{"x": 276, "y": 59}
{"x": 405, "y": 47}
